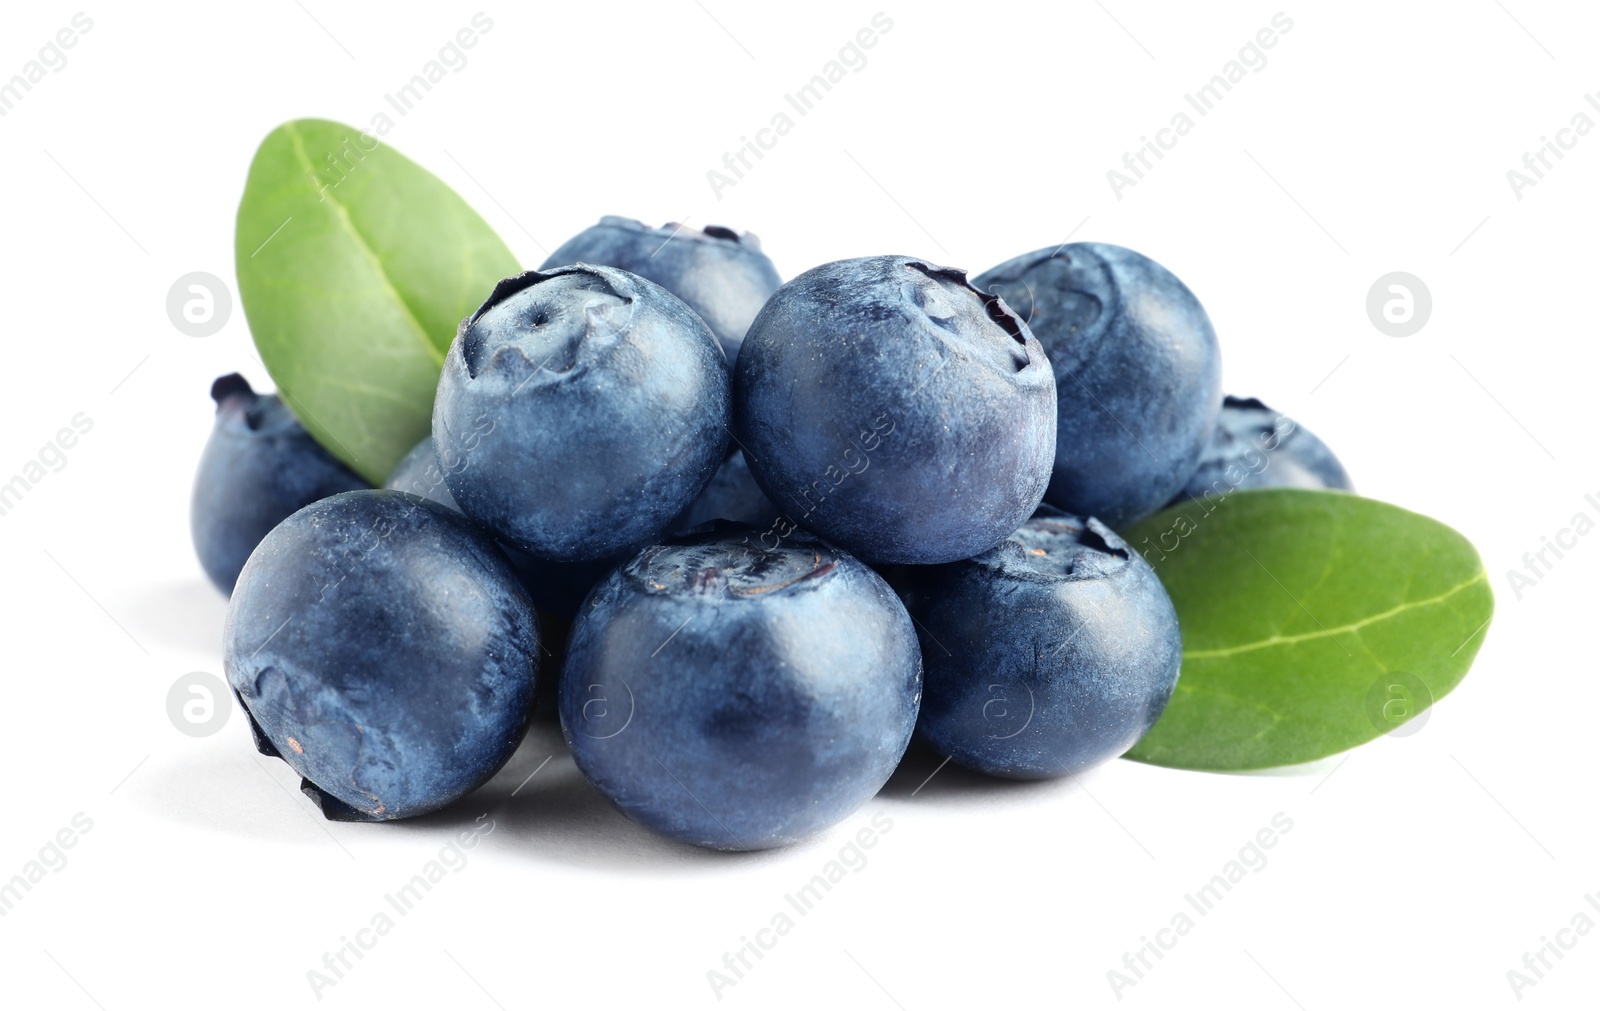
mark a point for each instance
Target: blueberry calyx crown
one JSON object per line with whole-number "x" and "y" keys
{"x": 728, "y": 565}
{"x": 235, "y": 397}
{"x": 1058, "y": 548}
{"x": 935, "y": 303}
{"x": 523, "y": 329}
{"x": 994, "y": 305}
{"x": 230, "y": 385}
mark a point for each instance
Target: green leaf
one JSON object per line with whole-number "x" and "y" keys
{"x": 1312, "y": 622}
{"x": 355, "y": 265}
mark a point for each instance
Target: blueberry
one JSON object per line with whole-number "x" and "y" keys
{"x": 1254, "y": 446}
{"x": 383, "y": 647}
{"x": 891, "y": 407}
{"x": 722, "y": 275}
{"x": 732, "y": 495}
{"x": 259, "y": 466}
{"x": 1137, "y": 370}
{"x": 1053, "y": 652}
{"x": 419, "y": 473}
{"x": 557, "y": 588}
{"x": 739, "y": 697}
{"x": 579, "y": 411}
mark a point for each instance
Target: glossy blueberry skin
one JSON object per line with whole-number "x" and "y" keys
{"x": 1052, "y": 653}
{"x": 736, "y": 697}
{"x": 1254, "y": 446}
{"x": 419, "y": 473}
{"x": 384, "y": 648}
{"x": 579, "y": 411}
{"x": 557, "y": 588}
{"x": 732, "y": 495}
{"x": 259, "y": 466}
{"x": 1138, "y": 373}
{"x": 722, "y": 275}
{"x": 891, "y": 407}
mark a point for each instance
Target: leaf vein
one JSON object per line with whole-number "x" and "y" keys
{"x": 1355, "y": 626}
{"x": 343, "y": 214}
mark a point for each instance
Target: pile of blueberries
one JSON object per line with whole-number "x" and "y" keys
{"x": 743, "y": 537}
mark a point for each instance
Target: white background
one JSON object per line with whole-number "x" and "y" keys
{"x": 1376, "y": 138}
